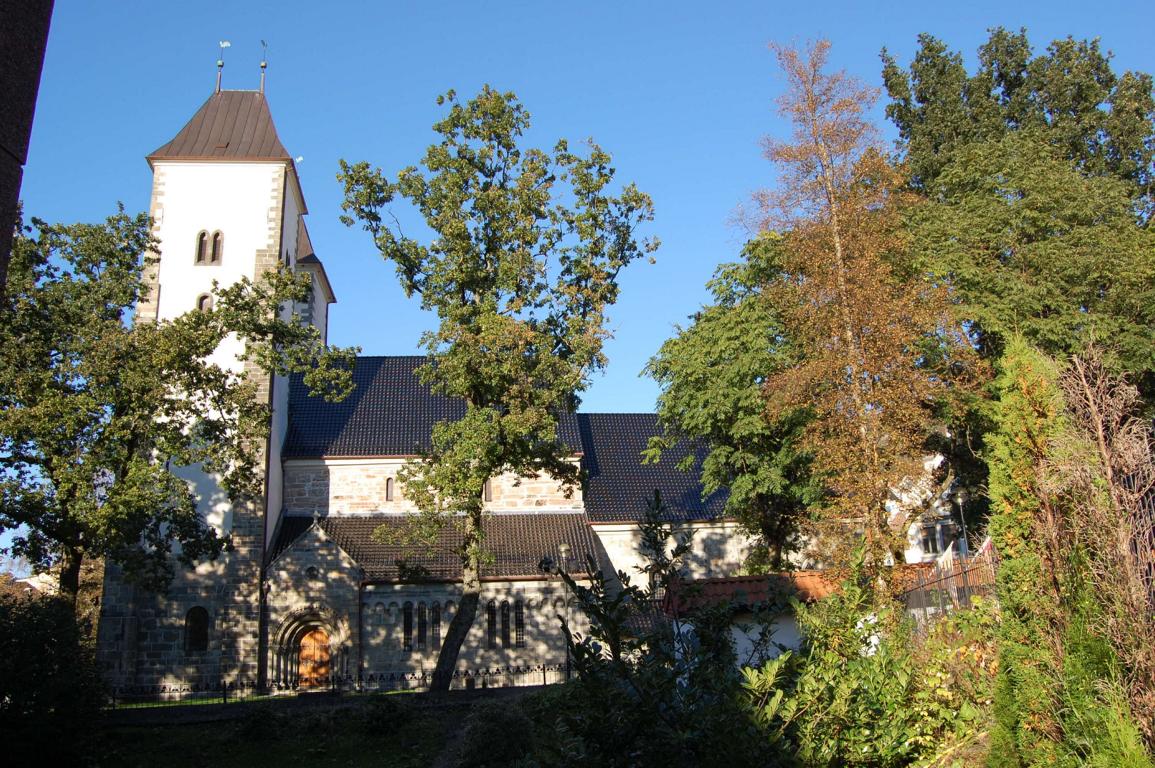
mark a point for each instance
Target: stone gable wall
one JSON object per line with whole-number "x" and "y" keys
{"x": 351, "y": 486}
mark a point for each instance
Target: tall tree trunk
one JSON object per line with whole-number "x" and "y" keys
{"x": 463, "y": 619}
{"x": 70, "y": 574}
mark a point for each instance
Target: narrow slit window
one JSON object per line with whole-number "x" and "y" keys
{"x": 389, "y": 489}
{"x": 218, "y": 248}
{"x": 407, "y": 620}
{"x": 422, "y": 626}
{"x": 435, "y": 625}
{"x": 491, "y": 623}
{"x": 504, "y": 623}
{"x": 519, "y": 624}
{"x": 196, "y": 630}
{"x": 487, "y": 493}
{"x": 202, "y": 247}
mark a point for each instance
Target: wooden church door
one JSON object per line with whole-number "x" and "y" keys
{"x": 314, "y": 659}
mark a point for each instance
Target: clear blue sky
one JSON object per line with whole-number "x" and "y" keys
{"x": 679, "y": 93}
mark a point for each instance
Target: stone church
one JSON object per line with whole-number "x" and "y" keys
{"x": 307, "y": 595}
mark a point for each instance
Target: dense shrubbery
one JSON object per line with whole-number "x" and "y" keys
{"x": 50, "y": 693}
{"x": 865, "y": 691}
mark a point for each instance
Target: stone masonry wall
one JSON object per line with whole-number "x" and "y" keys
{"x": 338, "y": 486}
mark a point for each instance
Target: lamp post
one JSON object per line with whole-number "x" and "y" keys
{"x": 961, "y": 497}
{"x": 563, "y": 551}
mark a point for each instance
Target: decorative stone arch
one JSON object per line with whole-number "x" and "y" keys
{"x": 308, "y": 624}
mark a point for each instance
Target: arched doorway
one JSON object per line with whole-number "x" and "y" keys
{"x": 313, "y": 659}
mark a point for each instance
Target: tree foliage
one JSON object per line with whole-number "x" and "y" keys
{"x": 1040, "y": 175}
{"x": 650, "y": 691}
{"x": 96, "y": 413}
{"x": 875, "y": 348}
{"x": 1060, "y": 529}
{"x": 711, "y": 374}
{"x": 50, "y": 688}
{"x": 520, "y": 271}
{"x": 1069, "y": 97}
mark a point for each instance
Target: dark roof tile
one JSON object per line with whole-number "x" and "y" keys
{"x": 618, "y": 484}
{"x": 390, "y": 413}
{"x": 518, "y": 544}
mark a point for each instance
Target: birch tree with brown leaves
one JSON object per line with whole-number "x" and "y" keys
{"x": 873, "y": 344}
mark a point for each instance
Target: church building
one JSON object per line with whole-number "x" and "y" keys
{"x": 307, "y": 594}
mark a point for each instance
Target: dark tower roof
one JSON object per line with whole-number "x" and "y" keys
{"x": 231, "y": 125}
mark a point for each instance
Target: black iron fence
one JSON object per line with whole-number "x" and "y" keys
{"x": 216, "y": 692}
{"x": 375, "y": 682}
{"x": 949, "y": 586}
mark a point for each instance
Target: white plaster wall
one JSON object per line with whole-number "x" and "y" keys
{"x": 236, "y": 198}
{"x": 718, "y": 549}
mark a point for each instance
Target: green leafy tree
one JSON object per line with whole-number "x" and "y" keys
{"x": 1069, "y": 96}
{"x": 95, "y": 412}
{"x": 711, "y": 374}
{"x": 520, "y": 271}
{"x": 1040, "y": 174}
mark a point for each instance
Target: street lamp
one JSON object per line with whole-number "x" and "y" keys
{"x": 960, "y": 497}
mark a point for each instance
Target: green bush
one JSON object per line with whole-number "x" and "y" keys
{"x": 50, "y": 692}
{"x": 497, "y": 734}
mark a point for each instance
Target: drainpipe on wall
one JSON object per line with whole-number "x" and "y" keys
{"x": 360, "y": 632}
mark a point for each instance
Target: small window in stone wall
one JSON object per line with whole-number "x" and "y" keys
{"x": 491, "y": 623}
{"x": 407, "y": 622}
{"x": 487, "y": 493}
{"x": 389, "y": 489}
{"x": 519, "y": 624}
{"x": 435, "y": 624}
{"x": 218, "y": 250}
{"x": 196, "y": 630}
{"x": 422, "y": 626}
{"x": 202, "y": 251}
{"x": 504, "y": 623}
{"x": 204, "y": 302}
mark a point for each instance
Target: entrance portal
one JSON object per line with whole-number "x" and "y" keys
{"x": 314, "y": 659}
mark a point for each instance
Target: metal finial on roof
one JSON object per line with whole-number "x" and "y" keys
{"x": 221, "y": 62}
{"x": 264, "y": 63}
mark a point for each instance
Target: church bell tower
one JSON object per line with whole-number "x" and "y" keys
{"x": 226, "y": 204}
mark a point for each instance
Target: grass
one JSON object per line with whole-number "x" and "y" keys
{"x": 377, "y": 733}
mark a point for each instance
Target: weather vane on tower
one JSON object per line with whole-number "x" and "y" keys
{"x": 221, "y": 62}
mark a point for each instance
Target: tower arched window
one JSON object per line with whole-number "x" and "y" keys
{"x": 389, "y": 489}
{"x": 202, "y": 252}
{"x": 491, "y": 623}
{"x": 218, "y": 248}
{"x": 519, "y": 624}
{"x": 407, "y": 620}
{"x": 196, "y": 630}
{"x": 422, "y": 626}
{"x": 435, "y": 624}
{"x": 204, "y": 302}
{"x": 504, "y": 623}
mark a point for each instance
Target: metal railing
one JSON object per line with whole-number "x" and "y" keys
{"x": 373, "y": 682}
{"x": 951, "y": 585}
